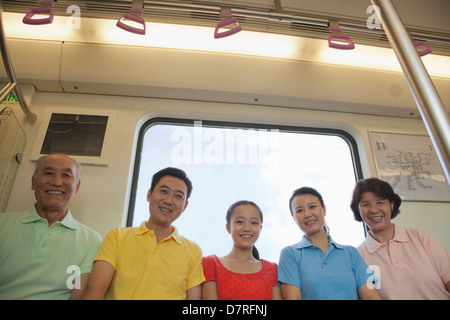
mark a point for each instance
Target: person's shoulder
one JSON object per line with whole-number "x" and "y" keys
{"x": 291, "y": 248}
{"x": 189, "y": 243}
{"x": 351, "y": 249}
{"x": 85, "y": 227}
{"x": 269, "y": 265}
{"x": 124, "y": 229}
{"x": 120, "y": 233}
{"x": 85, "y": 234}
{"x": 12, "y": 217}
{"x": 424, "y": 236}
{"x": 211, "y": 259}
{"x": 126, "y": 233}
{"x": 348, "y": 249}
{"x": 415, "y": 232}
{"x": 14, "y": 214}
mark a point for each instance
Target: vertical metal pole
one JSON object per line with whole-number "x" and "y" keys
{"x": 425, "y": 95}
{"x": 11, "y": 75}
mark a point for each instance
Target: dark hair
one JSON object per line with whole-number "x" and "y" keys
{"x": 302, "y": 191}
{"x": 173, "y": 172}
{"x": 380, "y": 188}
{"x": 230, "y": 210}
{"x": 312, "y": 191}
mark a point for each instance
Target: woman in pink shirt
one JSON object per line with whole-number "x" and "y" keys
{"x": 412, "y": 264}
{"x": 241, "y": 274}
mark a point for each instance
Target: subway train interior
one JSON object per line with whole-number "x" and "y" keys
{"x": 251, "y": 98}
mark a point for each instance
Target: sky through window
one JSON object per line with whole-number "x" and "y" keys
{"x": 265, "y": 166}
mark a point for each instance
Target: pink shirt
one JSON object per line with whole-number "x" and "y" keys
{"x": 412, "y": 266}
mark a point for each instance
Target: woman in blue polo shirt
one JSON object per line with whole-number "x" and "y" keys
{"x": 317, "y": 267}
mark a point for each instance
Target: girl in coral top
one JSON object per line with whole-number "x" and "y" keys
{"x": 241, "y": 274}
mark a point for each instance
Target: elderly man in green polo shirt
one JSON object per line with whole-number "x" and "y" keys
{"x": 44, "y": 252}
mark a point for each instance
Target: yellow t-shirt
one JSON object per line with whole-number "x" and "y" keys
{"x": 147, "y": 270}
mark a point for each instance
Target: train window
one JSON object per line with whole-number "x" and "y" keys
{"x": 228, "y": 162}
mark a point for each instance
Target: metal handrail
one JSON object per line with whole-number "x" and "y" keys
{"x": 31, "y": 117}
{"x": 427, "y": 99}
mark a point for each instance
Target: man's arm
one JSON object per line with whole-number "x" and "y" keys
{"x": 209, "y": 291}
{"x": 366, "y": 293}
{"x": 101, "y": 276}
{"x": 77, "y": 293}
{"x": 291, "y": 292}
{"x": 194, "y": 293}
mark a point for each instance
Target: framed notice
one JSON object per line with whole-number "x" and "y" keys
{"x": 410, "y": 164}
{"x": 85, "y": 135}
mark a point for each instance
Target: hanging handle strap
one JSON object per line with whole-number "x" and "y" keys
{"x": 426, "y": 49}
{"x": 132, "y": 17}
{"x": 135, "y": 16}
{"x": 45, "y": 8}
{"x": 227, "y": 20}
{"x": 336, "y": 35}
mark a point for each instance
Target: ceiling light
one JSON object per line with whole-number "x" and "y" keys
{"x": 195, "y": 38}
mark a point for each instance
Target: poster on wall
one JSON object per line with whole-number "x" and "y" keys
{"x": 410, "y": 164}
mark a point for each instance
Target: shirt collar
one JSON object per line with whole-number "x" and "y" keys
{"x": 33, "y": 216}
{"x": 400, "y": 235}
{"x": 305, "y": 243}
{"x": 142, "y": 229}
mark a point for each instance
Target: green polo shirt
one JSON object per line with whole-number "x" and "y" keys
{"x": 38, "y": 261}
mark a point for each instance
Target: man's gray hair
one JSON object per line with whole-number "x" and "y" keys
{"x": 77, "y": 164}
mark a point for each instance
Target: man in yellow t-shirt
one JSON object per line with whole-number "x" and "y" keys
{"x": 151, "y": 261}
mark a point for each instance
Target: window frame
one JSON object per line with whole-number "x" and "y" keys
{"x": 357, "y": 170}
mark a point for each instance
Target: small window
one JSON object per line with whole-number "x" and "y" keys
{"x": 84, "y": 134}
{"x": 75, "y": 134}
{"x": 228, "y": 162}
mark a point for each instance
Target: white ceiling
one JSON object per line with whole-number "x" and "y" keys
{"x": 63, "y": 67}
{"x": 426, "y": 20}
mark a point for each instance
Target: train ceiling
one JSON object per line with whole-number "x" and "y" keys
{"x": 425, "y": 20}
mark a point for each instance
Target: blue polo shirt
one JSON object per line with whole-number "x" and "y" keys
{"x": 335, "y": 275}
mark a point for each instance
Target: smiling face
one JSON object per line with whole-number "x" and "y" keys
{"x": 245, "y": 225}
{"x": 166, "y": 201}
{"x": 375, "y": 211}
{"x": 308, "y": 213}
{"x": 55, "y": 183}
